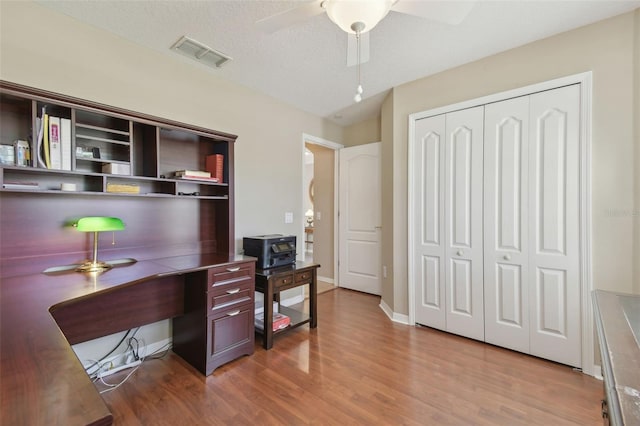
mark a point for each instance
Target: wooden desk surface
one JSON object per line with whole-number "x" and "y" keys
{"x": 42, "y": 381}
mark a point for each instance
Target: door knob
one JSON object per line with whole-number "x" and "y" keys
{"x": 459, "y": 252}
{"x": 507, "y": 257}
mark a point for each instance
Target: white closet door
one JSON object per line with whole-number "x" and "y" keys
{"x": 463, "y": 223}
{"x": 429, "y": 265}
{"x": 554, "y": 225}
{"x": 506, "y": 223}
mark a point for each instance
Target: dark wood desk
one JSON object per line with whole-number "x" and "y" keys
{"x": 270, "y": 282}
{"x": 41, "y": 380}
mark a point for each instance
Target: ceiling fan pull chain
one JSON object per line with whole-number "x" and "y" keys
{"x": 358, "y": 27}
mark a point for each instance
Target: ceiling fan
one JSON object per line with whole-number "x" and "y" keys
{"x": 358, "y": 17}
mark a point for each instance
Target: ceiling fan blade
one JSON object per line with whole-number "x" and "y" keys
{"x": 352, "y": 50}
{"x": 448, "y": 12}
{"x": 290, "y": 17}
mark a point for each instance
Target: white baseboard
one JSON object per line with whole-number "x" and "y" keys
{"x": 597, "y": 372}
{"x": 393, "y": 316}
{"x": 327, "y": 280}
{"x": 292, "y": 300}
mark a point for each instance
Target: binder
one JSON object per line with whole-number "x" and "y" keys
{"x": 65, "y": 143}
{"x": 55, "y": 151}
{"x": 45, "y": 143}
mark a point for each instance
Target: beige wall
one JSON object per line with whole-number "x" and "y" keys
{"x": 386, "y": 170}
{"x": 323, "y": 202}
{"x": 53, "y": 52}
{"x": 49, "y": 51}
{"x": 362, "y": 133}
{"x": 636, "y": 118}
{"x": 606, "y": 48}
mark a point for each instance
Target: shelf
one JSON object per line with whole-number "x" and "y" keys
{"x": 103, "y": 129}
{"x": 296, "y": 318}
{"x": 103, "y": 160}
{"x": 99, "y": 139}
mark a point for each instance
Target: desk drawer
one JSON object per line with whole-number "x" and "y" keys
{"x": 230, "y": 274}
{"x": 283, "y": 281}
{"x": 230, "y": 292}
{"x": 304, "y": 276}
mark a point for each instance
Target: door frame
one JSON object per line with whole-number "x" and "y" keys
{"x": 586, "y": 274}
{"x": 315, "y": 140}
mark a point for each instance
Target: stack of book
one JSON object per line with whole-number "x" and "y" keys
{"x": 195, "y": 175}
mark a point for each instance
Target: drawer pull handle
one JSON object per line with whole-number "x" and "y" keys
{"x": 233, "y": 269}
{"x": 234, "y": 313}
{"x": 285, "y": 281}
{"x": 234, "y": 291}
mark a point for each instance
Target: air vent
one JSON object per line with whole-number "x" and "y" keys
{"x": 200, "y": 52}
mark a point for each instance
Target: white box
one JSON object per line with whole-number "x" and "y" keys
{"x": 116, "y": 169}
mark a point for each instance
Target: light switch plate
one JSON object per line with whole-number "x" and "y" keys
{"x": 288, "y": 217}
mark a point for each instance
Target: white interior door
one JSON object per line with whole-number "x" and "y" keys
{"x": 554, "y": 225}
{"x": 463, "y": 222}
{"x": 506, "y": 183}
{"x": 360, "y": 218}
{"x": 428, "y": 214}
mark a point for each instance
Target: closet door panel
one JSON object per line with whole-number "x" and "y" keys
{"x": 463, "y": 222}
{"x": 429, "y": 243}
{"x": 554, "y": 226}
{"x": 505, "y": 223}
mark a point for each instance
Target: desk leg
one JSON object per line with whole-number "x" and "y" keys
{"x": 267, "y": 337}
{"x": 313, "y": 299}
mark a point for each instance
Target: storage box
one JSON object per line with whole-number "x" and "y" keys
{"x": 116, "y": 169}
{"x": 280, "y": 321}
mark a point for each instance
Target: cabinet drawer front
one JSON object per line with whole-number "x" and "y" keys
{"x": 233, "y": 292}
{"x": 230, "y": 328}
{"x": 283, "y": 281}
{"x": 304, "y": 276}
{"x": 231, "y": 273}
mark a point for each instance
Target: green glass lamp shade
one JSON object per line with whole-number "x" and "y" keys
{"x": 99, "y": 224}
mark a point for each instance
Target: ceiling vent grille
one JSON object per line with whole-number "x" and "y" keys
{"x": 200, "y": 52}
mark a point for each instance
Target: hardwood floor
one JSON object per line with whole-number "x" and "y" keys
{"x": 358, "y": 367}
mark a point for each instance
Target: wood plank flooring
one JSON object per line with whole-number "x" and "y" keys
{"x": 358, "y": 367}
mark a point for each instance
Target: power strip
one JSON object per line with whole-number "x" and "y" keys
{"x": 119, "y": 368}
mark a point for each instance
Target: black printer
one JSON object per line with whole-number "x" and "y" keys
{"x": 271, "y": 250}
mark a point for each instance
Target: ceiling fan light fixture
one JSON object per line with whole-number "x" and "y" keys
{"x": 345, "y": 13}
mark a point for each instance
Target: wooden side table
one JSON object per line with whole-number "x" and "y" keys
{"x": 270, "y": 282}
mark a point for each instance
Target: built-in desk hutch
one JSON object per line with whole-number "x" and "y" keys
{"x": 180, "y": 229}
{"x": 120, "y": 163}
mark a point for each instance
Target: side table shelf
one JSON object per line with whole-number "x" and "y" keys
{"x": 270, "y": 282}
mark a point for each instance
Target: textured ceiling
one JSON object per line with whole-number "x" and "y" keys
{"x": 305, "y": 65}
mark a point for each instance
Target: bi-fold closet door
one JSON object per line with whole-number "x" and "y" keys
{"x": 496, "y": 255}
{"x": 449, "y": 247}
{"x": 531, "y": 224}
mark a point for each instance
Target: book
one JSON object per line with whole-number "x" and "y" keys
{"x": 45, "y": 141}
{"x": 122, "y": 188}
{"x": 204, "y": 179}
{"x": 215, "y": 166}
{"x": 55, "y": 152}
{"x": 65, "y": 144}
{"x": 192, "y": 173}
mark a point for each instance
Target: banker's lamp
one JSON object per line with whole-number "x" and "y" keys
{"x": 97, "y": 224}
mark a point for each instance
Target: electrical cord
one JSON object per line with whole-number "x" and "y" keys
{"x": 97, "y": 363}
